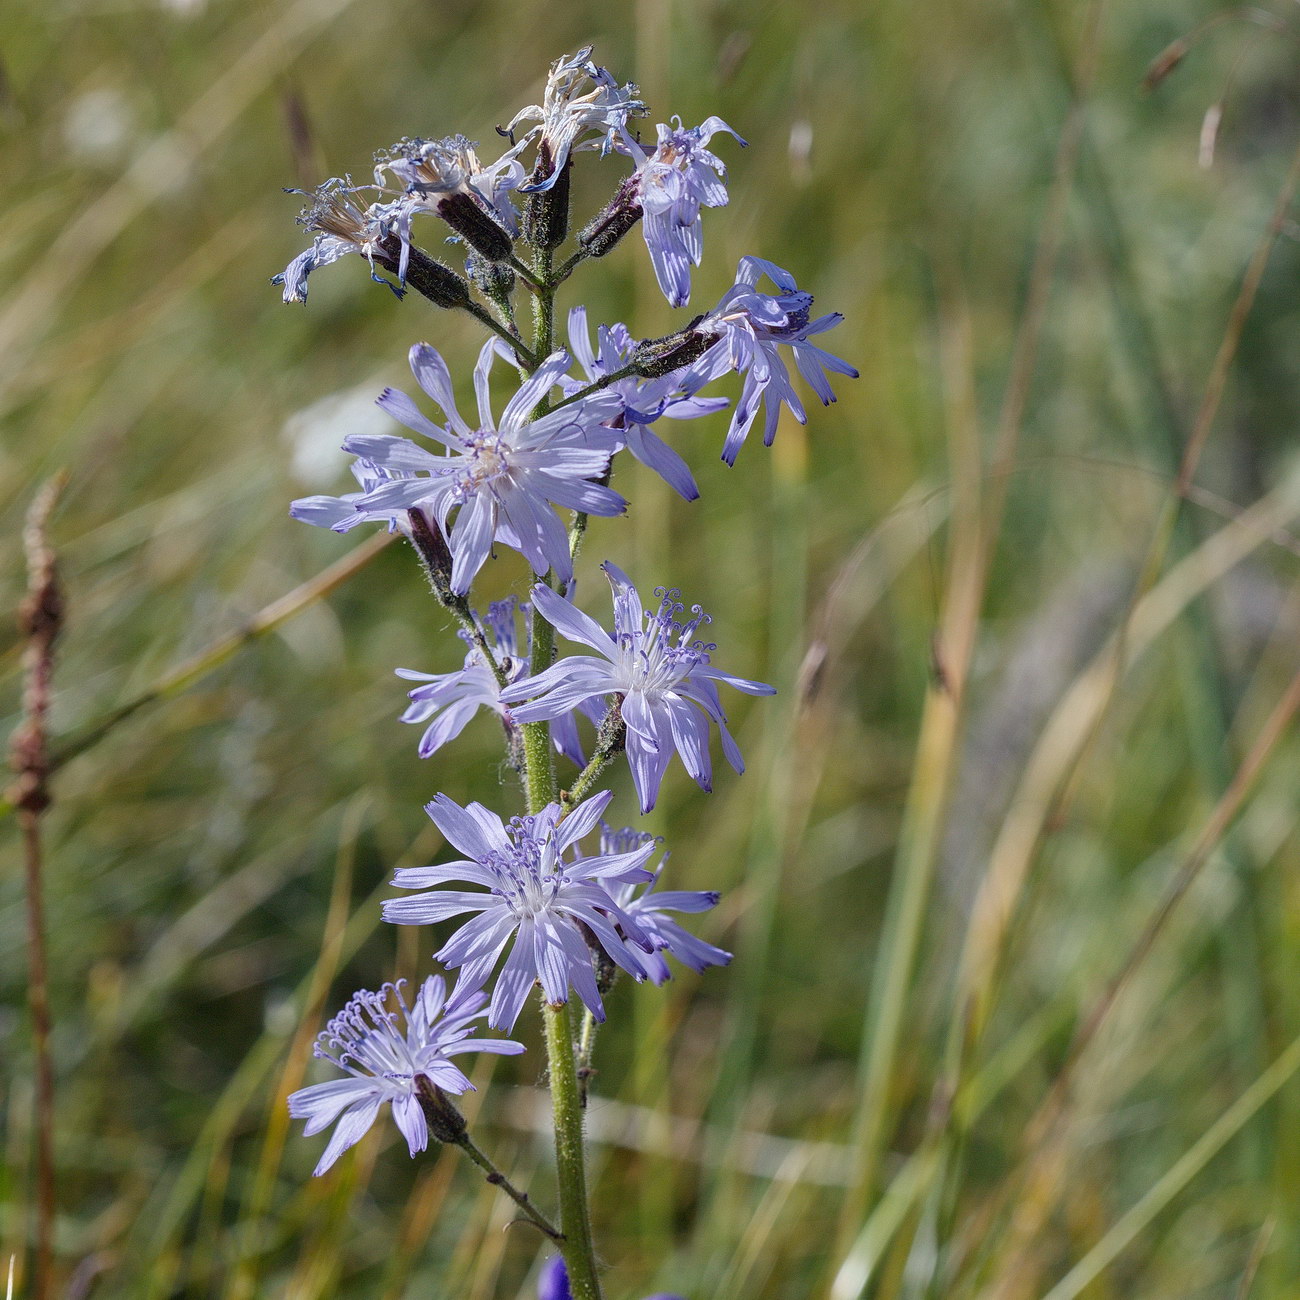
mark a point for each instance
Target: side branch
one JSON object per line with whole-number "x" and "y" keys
{"x": 435, "y": 559}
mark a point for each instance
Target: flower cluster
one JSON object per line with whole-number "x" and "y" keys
{"x": 552, "y": 899}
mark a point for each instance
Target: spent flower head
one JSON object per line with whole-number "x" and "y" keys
{"x": 551, "y": 908}
{"x": 662, "y": 675}
{"x": 446, "y": 177}
{"x": 340, "y": 225}
{"x": 386, "y": 1047}
{"x": 583, "y": 107}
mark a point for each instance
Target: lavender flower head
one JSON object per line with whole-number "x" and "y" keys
{"x": 664, "y": 679}
{"x": 339, "y": 226}
{"x": 501, "y": 477}
{"x": 670, "y": 186}
{"x": 749, "y": 327}
{"x": 385, "y": 1051}
{"x": 568, "y": 113}
{"x": 648, "y": 906}
{"x": 644, "y": 401}
{"x": 549, "y": 906}
{"x": 447, "y": 701}
{"x": 553, "y": 1283}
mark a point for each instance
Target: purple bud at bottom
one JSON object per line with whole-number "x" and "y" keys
{"x": 554, "y": 1281}
{"x": 554, "y": 1284}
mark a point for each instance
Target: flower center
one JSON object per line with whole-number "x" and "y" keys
{"x": 367, "y": 1038}
{"x": 528, "y": 876}
{"x": 649, "y": 659}
{"x": 487, "y": 459}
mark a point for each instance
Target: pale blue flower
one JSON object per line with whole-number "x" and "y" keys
{"x": 548, "y": 906}
{"x": 447, "y": 701}
{"x": 341, "y": 514}
{"x": 750, "y": 327}
{"x": 648, "y": 906}
{"x": 670, "y": 186}
{"x": 664, "y": 682}
{"x": 384, "y": 1050}
{"x": 644, "y": 400}
{"x": 501, "y": 478}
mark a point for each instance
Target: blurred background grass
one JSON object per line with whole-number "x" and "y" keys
{"x": 960, "y": 816}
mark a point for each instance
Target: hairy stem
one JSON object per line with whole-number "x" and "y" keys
{"x": 520, "y": 349}
{"x": 566, "y": 1100}
{"x": 543, "y": 789}
{"x": 609, "y": 744}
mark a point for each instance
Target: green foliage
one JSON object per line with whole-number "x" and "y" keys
{"x": 214, "y": 864}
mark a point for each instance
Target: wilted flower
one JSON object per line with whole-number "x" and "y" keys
{"x": 385, "y": 1051}
{"x": 568, "y": 113}
{"x": 664, "y": 680}
{"x": 501, "y": 478}
{"x": 644, "y": 401}
{"x": 339, "y": 226}
{"x": 445, "y": 177}
{"x": 547, "y": 905}
{"x": 750, "y": 327}
{"x": 553, "y": 1283}
{"x": 648, "y": 906}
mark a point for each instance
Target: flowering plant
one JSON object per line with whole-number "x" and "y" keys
{"x": 543, "y": 911}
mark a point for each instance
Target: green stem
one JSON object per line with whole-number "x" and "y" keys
{"x": 498, "y": 1179}
{"x": 568, "y": 266}
{"x": 524, "y": 272}
{"x": 543, "y": 307}
{"x": 543, "y": 789}
{"x": 520, "y": 349}
{"x": 609, "y": 744}
{"x": 586, "y": 1049}
{"x": 566, "y": 1099}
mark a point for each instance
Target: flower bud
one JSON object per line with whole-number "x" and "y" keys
{"x": 494, "y": 279}
{"x": 468, "y": 219}
{"x": 608, "y": 226}
{"x": 446, "y": 1123}
{"x": 546, "y": 214}
{"x": 434, "y": 279}
{"x": 656, "y": 357}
